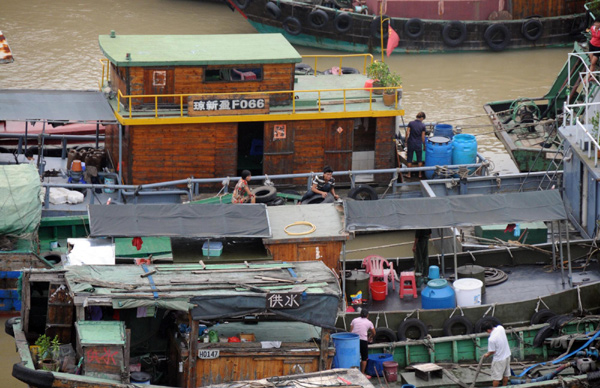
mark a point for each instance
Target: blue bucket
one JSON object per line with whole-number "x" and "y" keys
{"x": 465, "y": 149}
{"x": 438, "y": 152}
{"x": 445, "y": 130}
{"x": 109, "y": 181}
{"x": 375, "y": 363}
{"x": 347, "y": 350}
{"x": 434, "y": 272}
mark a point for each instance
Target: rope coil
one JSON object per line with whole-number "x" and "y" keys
{"x": 313, "y": 228}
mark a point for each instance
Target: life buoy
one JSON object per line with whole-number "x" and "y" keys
{"x": 264, "y": 194}
{"x": 273, "y": 10}
{"x": 292, "y": 26}
{"x": 342, "y": 22}
{"x": 344, "y": 70}
{"x": 532, "y": 29}
{"x": 454, "y": 33}
{"x": 497, "y": 36}
{"x": 493, "y": 320}
{"x": 458, "y": 325}
{"x": 542, "y": 316}
{"x": 414, "y": 28}
{"x": 318, "y": 18}
{"x": 376, "y": 26}
{"x": 241, "y": 4}
{"x": 540, "y": 337}
{"x": 412, "y": 328}
{"x": 383, "y": 334}
{"x": 363, "y": 193}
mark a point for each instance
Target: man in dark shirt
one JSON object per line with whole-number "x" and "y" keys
{"x": 415, "y": 138}
{"x": 421, "y": 254}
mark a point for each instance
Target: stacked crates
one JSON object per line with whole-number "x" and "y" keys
{"x": 9, "y": 296}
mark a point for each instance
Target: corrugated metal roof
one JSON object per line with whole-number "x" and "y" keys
{"x": 194, "y": 50}
{"x": 55, "y": 105}
{"x": 5, "y": 53}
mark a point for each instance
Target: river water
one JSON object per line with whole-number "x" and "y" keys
{"x": 55, "y": 46}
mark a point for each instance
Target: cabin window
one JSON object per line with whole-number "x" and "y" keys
{"x": 233, "y": 74}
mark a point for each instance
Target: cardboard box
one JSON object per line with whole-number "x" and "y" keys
{"x": 247, "y": 337}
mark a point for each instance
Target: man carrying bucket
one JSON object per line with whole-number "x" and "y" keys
{"x": 366, "y": 331}
{"x": 499, "y": 348}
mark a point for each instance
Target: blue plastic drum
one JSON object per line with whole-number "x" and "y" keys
{"x": 465, "y": 149}
{"x": 438, "y": 295}
{"x": 347, "y": 350}
{"x": 438, "y": 152}
{"x": 445, "y": 130}
{"x": 375, "y": 363}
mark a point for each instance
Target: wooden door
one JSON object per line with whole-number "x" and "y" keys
{"x": 338, "y": 146}
{"x": 60, "y": 313}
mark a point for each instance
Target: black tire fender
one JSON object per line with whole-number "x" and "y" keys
{"x": 376, "y": 26}
{"x": 414, "y": 28}
{"x": 264, "y": 194}
{"x": 558, "y": 321}
{"x": 383, "y": 335}
{"x": 532, "y": 29}
{"x": 8, "y": 325}
{"x": 303, "y": 69}
{"x": 363, "y": 193}
{"x": 241, "y": 4}
{"x": 491, "y": 37}
{"x": 318, "y": 18}
{"x": 542, "y": 316}
{"x": 449, "y": 33}
{"x": 342, "y": 22}
{"x": 540, "y": 337}
{"x": 411, "y": 326}
{"x": 318, "y": 199}
{"x": 457, "y": 322}
{"x": 292, "y": 25}
{"x": 273, "y": 10}
{"x": 278, "y": 201}
{"x": 344, "y": 70}
{"x": 493, "y": 320}
{"x": 35, "y": 378}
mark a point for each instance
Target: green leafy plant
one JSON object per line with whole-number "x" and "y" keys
{"x": 49, "y": 348}
{"x": 391, "y": 82}
{"x": 378, "y": 70}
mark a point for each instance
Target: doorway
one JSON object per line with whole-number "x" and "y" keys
{"x": 250, "y": 147}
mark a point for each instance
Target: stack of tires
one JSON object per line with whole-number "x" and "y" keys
{"x": 267, "y": 195}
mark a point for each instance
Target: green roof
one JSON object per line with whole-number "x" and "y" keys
{"x": 196, "y": 50}
{"x": 101, "y": 332}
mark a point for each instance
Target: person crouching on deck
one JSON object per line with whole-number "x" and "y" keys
{"x": 241, "y": 192}
{"x": 322, "y": 185}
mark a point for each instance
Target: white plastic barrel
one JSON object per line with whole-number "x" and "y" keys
{"x": 468, "y": 292}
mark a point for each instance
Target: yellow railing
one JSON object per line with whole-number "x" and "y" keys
{"x": 367, "y": 59}
{"x": 183, "y": 98}
{"x": 105, "y": 73}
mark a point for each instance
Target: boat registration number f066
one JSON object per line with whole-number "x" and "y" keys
{"x": 228, "y": 104}
{"x": 208, "y": 354}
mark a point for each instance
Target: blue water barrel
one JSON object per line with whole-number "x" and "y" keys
{"x": 438, "y": 295}
{"x": 438, "y": 152}
{"x": 375, "y": 363}
{"x": 465, "y": 149}
{"x": 434, "y": 272}
{"x": 445, "y": 130}
{"x": 347, "y": 350}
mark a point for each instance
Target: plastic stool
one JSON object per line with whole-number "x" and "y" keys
{"x": 408, "y": 284}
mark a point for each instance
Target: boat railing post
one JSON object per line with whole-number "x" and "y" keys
{"x": 63, "y": 143}
{"x": 553, "y": 245}
{"x": 454, "y": 237}
{"x": 569, "y": 254}
{"x": 443, "y": 260}
{"x": 562, "y": 268}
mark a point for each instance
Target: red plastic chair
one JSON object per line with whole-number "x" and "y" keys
{"x": 374, "y": 266}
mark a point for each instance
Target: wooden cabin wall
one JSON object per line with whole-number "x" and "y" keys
{"x": 329, "y": 252}
{"x": 171, "y": 152}
{"x": 546, "y": 8}
{"x": 385, "y": 146}
{"x": 190, "y": 80}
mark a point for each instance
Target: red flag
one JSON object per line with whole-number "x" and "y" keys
{"x": 393, "y": 40}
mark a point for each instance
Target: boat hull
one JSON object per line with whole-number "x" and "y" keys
{"x": 432, "y": 36}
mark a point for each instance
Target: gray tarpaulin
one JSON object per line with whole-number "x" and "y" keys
{"x": 190, "y": 220}
{"x": 460, "y": 210}
{"x": 55, "y": 105}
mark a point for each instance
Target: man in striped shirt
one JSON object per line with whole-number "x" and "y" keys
{"x": 322, "y": 185}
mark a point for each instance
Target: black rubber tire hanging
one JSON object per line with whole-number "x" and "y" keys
{"x": 542, "y": 316}
{"x": 273, "y": 10}
{"x": 532, "y": 29}
{"x": 454, "y": 33}
{"x": 414, "y": 28}
{"x": 376, "y": 26}
{"x": 540, "y": 337}
{"x": 493, "y": 320}
{"x": 383, "y": 334}
{"x": 497, "y": 36}
{"x": 342, "y": 22}
{"x": 408, "y": 328}
{"x": 363, "y": 193}
{"x": 458, "y": 325}
{"x": 318, "y": 18}
{"x": 292, "y": 26}
{"x": 241, "y": 4}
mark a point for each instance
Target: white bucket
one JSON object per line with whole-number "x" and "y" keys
{"x": 468, "y": 292}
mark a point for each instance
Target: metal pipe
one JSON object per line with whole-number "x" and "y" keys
{"x": 569, "y": 254}
{"x": 120, "y": 168}
{"x": 553, "y": 246}
{"x": 97, "y": 134}
{"x": 443, "y": 260}
{"x": 48, "y": 136}
{"x": 562, "y": 269}
{"x": 344, "y": 272}
{"x": 455, "y": 257}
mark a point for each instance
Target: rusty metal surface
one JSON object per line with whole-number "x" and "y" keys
{"x": 5, "y": 53}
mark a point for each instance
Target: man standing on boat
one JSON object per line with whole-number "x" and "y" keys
{"x": 421, "y": 254}
{"x": 415, "y": 138}
{"x": 499, "y": 348}
{"x": 366, "y": 331}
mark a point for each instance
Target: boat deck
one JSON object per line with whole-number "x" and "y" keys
{"x": 524, "y": 282}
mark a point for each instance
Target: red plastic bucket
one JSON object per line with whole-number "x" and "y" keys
{"x": 390, "y": 369}
{"x": 378, "y": 290}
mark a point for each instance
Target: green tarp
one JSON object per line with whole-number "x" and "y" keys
{"x": 20, "y": 204}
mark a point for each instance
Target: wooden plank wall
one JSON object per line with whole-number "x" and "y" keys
{"x": 329, "y": 252}
{"x": 385, "y": 146}
{"x": 546, "y": 8}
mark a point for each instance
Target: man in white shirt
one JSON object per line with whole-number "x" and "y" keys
{"x": 499, "y": 348}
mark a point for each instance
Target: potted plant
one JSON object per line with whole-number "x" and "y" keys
{"x": 48, "y": 352}
{"x": 391, "y": 82}
{"x": 378, "y": 71}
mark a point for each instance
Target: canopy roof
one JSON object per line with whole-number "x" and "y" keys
{"x": 460, "y": 210}
{"x": 55, "y": 105}
{"x": 190, "y": 220}
{"x": 20, "y": 205}
{"x": 212, "y": 291}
